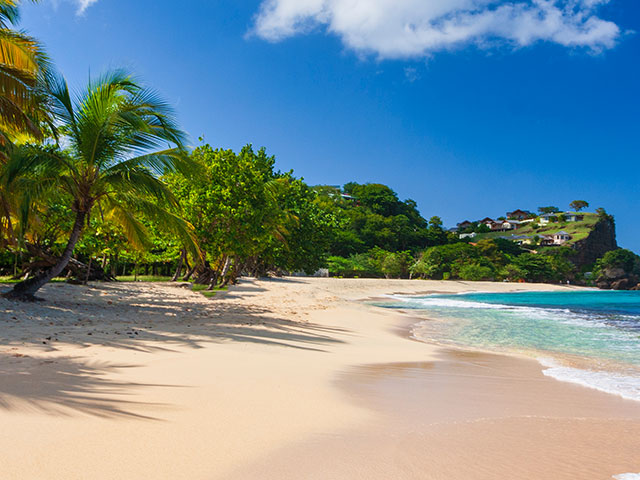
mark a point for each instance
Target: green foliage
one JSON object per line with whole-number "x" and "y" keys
{"x": 436, "y": 261}
{"x": 513, "y": 273}
{"x": 544, "y": 210}
{"x": 372, "y": 215}
{"x": 243, "y": 209}
{"x": 357, "y": 265}
{"x": 494, "y": 260}
{"x": 508, "y": 247}
{"x": 397, "y": 265}
{"x": 536, "y": 268}
{"x": 603, "y": 215}
{"x": 622, "y": 258}
{"x": 476, "y": 272}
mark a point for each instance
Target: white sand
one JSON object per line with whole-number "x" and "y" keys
{"x": 154, "y": 381}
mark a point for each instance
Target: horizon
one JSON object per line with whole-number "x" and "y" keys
{"x": 519, "y": 114}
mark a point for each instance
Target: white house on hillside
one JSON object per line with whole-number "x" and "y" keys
{"x": 561, "y": 238}
{"x": 555, "y": 217}
{"x": 548, "y": 218}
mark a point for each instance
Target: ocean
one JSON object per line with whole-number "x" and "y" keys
{"x": 591, "y": 337}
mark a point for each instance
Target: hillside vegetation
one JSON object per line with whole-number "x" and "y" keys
{"x": 370, "y": 215}
{"x": 578, "y": 230}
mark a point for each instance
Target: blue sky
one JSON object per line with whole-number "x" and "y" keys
{"x": 469, "y": 107}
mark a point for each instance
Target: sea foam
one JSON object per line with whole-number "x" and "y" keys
{"x": 627, "y": 476}
{"x": 625, "y": 386}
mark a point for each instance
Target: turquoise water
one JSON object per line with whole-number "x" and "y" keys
{"x": 599, "y": 331}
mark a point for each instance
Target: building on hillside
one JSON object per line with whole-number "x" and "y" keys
{"x": 504, "y": 225}
{"x": 561, "y": 238}
{"x": 519, "y": 239}
{"x": 546, "y": 218}
{"x": 556, "y": 217}
{"x": 465, "y": 224}
{"x": 547, "y": 241}
{"x": 519, "y": 215}
{"x": 468, "y": 235}
{"x": 511, "y": 224}
{"x": 489, "y": 222}
{"x": 573, "y": 217}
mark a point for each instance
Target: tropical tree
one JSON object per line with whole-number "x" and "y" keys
{"x": 578, "y": 205}
{"x": 249, "y": 217}
{"x": 23, "y": 64}
{"x": 111, "y": 164}
{"x": 551, "y": 209}
{"x": 23, "y": 107}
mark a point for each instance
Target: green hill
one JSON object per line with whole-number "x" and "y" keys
{"x": 578, "y": 230}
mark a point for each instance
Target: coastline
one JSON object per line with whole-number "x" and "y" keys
{"x": 274, "y": 378}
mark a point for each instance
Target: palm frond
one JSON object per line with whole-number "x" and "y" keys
{"x": 134, "y": 230}
{"x": 31, "y": 160}
{"x": 160, "y": 163}
{"x": 136, "y": 181}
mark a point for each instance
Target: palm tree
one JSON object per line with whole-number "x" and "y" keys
{"x": 22, "y": 67}
{"x": 108, "y": 131}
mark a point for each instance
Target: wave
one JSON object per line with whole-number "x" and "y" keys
{"x": 586, "y": 329}
{"x": 627, "y": 476}
{"x": 562, "y": 315}
{"x": 625, "y": 386}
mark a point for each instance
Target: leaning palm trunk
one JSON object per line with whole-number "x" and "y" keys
{"x": 183, "y": 256}
{"x": 27, "y": 289}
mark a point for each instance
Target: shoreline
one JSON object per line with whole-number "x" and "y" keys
{"x": 274, "y": 378}
{"x": 614, "y": 377}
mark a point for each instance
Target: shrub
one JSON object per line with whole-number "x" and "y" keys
{"x": 513, "y": 273}
{"x": 476, "y": 272}
{"x": 621, "y": 258}
{"x": 435, "y": 261}
{"x": 396, "y": 265}
{"x": 535, "y": 268}
{"x": 356, "y": 265}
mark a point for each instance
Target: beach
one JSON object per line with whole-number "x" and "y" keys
{"x": 284, "y": 379}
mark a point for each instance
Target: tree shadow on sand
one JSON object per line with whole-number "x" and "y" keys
{"x": 67, "y": 386}
{"x": 146, "y": 318}
{"x": 118, "y": 315}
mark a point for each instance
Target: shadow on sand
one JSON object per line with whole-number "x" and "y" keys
{"x": 140, "y": 317}
{"x": 67, "y": 386}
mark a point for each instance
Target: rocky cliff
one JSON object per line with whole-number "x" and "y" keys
{"x": 615, "y": 278}
{"x": 601, "y": 240}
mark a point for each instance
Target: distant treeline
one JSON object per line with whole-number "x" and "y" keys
{"x": 244, "y": 217}
{"x": 382, "y": 236}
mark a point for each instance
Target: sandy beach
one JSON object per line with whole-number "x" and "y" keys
{"x": 283, "y": 379}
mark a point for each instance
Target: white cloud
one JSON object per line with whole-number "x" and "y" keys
{"x": 81, "y": 5}
{"x": 417, "y": 28}
{"x": 84, "y": 4}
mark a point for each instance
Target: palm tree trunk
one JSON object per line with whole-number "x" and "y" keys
{"x": 189, "y": 273}
{"x": 183, "y": 254}
{"x": 26, "y": 290}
